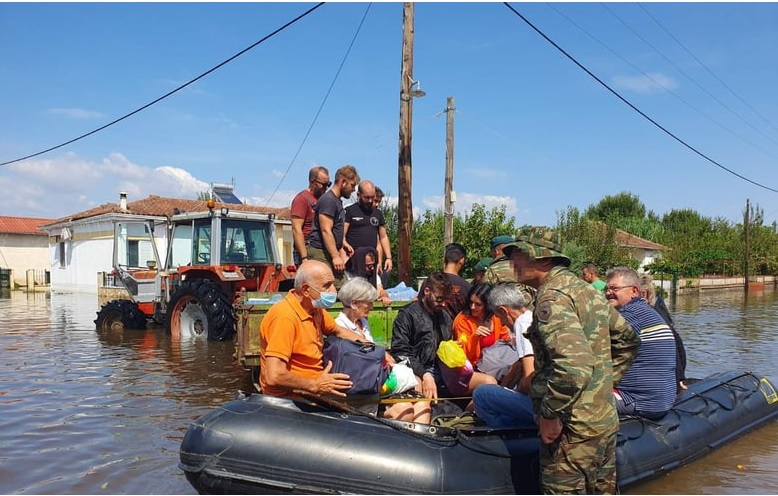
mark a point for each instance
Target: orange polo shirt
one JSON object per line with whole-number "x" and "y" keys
{"x": 290, "y": 333}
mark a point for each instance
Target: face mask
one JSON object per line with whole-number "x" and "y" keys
{"x": 326, "y": 300}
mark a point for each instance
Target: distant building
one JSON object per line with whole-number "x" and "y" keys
{"x": 81, "y": 245}
{"x": 225, "y": 193}
{"x": 642, "y": 250}
{"x": 24, "y": 246}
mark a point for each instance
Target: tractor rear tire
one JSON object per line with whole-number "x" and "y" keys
{"x": 200, "y": 309}
{"x": 119, "y": 315}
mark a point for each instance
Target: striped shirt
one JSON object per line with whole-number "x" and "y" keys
{"x": 650, "y": 381}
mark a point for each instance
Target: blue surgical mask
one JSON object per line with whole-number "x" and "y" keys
{"x": 325, "y": 300}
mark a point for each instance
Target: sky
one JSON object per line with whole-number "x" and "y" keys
{"x": 532, "y": 130}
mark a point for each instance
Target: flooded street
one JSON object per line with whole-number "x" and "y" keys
{"x": 104, "y": 413}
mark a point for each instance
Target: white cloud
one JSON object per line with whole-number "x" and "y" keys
{"x": 75, "y": 113}
{"x": 465, "y": 202}
{"x": 650, "y": 83}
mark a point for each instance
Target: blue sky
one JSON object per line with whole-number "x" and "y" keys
{"x": 532, "y": 131}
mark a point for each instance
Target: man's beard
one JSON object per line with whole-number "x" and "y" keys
{"x": 366, "y": 207}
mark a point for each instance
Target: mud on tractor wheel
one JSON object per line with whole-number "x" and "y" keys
{"x": 120, "y": 314}
{"x": 199, "y": 309}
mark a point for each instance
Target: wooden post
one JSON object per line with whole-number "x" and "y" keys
{"x": 448, "y": 207}
{"x": 746, "y": 220}
{"x": 404, "y": 204}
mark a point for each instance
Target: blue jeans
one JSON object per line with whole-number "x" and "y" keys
{"x": 503, "y": 408}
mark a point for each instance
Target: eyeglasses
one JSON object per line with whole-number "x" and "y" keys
{"x": 326, "y": 185}
{"x": 370, "y": 266}
{"x": 439, "y": 299}
{"x": 617, "y": 288}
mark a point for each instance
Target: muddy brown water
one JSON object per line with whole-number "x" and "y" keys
{"x": 83, "y": 412}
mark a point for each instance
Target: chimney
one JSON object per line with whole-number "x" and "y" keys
{"x": 123, "y": 201}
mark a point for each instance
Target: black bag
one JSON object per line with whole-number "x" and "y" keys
{"x": 363, "y": 362}
{"x": 497, "y": 359}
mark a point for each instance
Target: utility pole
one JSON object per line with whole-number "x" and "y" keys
{"x": 746, "y": 221}
{"x": 404, "y": 205}
{"x": 448, "y": 203}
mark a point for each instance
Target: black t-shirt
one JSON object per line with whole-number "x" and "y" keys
{"x": 363, "y": 226}
{"x": 332, "y": 207}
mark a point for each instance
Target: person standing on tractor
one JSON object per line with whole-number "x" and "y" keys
{"x": 326, "y": 240}
{"x": 302, "y": 208}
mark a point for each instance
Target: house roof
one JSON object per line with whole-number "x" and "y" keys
{"x": 23, "y": 225}
{"x": 162, "y": 206}
{"x": 623, "y": 238}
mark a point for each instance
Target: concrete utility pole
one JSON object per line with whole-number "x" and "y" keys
{"x": 448, "y": 202}
{"x": 404, "y": 205}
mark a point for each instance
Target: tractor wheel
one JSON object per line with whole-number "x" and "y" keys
{"x": 120, "y": 314}
{"x": 199, "y": 309}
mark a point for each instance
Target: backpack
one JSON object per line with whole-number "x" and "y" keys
{"x": 363, "y": 362}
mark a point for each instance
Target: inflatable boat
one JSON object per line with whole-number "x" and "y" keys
{"x": 269, "y": 445}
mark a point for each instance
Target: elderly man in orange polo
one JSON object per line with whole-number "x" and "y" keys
{"x": 291, "y": 337}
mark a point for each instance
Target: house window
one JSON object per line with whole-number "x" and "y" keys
{"x": 61, "y": 252}
{"x": 132, "y": 253}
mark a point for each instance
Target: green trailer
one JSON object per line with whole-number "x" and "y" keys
{"x": 247, "y": 346}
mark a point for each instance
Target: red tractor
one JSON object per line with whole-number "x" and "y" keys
{"x": 211, "y": 257}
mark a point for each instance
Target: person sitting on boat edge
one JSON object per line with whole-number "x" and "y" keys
{"x": 290, "y": 337}
{"x": 477, "y": 327}
{"x": 363, "y": 263}
{"x": 357, "y": 296}
{"x": 648, "y": 292}
{"x": 498, "y": 406}
{"x": 648, "y": 387}
{"x": 418, "y": 330}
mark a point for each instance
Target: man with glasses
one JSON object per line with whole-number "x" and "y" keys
{"x": 582, "y": 348}
{"x": 291, "y": 337}
{"x": 326, "y": 240}
{"x": 365, "y": 225}
{"x": 302, "y": 209}
{"x": 648, "y": 388}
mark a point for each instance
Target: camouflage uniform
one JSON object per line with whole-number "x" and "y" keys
{"x": 582, "y": 348}
{"x": 501, "y": 271}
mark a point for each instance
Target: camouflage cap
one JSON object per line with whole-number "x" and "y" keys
{"x": 483, "y": 264}
{"x": 501, "y": 240}
{"x": 538, "y": 242}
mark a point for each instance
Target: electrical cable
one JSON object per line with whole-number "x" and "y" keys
{"x": 321, "y": 107}
{"x": 664, "y": 87}
{"x": 633, "y": 107}
{"x": 687, "y": 75}
{"x": 169, "y": 93}
{"x": 706, "y": 67}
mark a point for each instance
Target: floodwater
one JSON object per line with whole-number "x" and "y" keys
{"x": 83, "y": 412}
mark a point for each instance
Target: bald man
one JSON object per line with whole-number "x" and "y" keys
{"x": 365, "y": 225}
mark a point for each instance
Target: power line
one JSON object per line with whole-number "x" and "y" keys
{"x": 660, "y": 84}
{"x": 633, "y": 107}
{"x": 326, "y": 96}
{"x": 687, "y": 75}
{"x": 706, "y": 67}
{"x": 293, "y": 21}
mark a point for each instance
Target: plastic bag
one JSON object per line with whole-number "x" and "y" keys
{"x": 451, "y": 354}
{"x": 400, "y": 379}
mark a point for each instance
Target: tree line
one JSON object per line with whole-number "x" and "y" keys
{"x": 696, "y": 244}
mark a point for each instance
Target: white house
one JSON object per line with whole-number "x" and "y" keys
{"x": 640, "y": 249}
{"x": 81, "y": 245}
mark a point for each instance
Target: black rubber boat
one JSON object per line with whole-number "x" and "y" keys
{"x": 268, "y": 445}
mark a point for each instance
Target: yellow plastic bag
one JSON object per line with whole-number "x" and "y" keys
{"x": 451, "y": 354}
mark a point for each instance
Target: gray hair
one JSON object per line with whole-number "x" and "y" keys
{"x": 647, "y": 285}
{"x": 628, "y": 275}
{"x": 305, "y": 272}
{"x": 357, "y": 289}
{"x": 506, "y": 295}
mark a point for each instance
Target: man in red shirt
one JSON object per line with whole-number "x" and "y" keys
{"x": 302, "y": 210}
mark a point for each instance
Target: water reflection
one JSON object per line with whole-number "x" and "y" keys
{"x": 103, "y": 412}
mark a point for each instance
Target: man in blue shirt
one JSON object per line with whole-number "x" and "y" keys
{"x": 648, "y": 387}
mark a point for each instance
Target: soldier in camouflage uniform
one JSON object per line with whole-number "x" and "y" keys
{"x": 582, "y": 349}
{"x": 501, "y": 270}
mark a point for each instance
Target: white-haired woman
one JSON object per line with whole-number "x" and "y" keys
{"x": 357, "y": 296}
